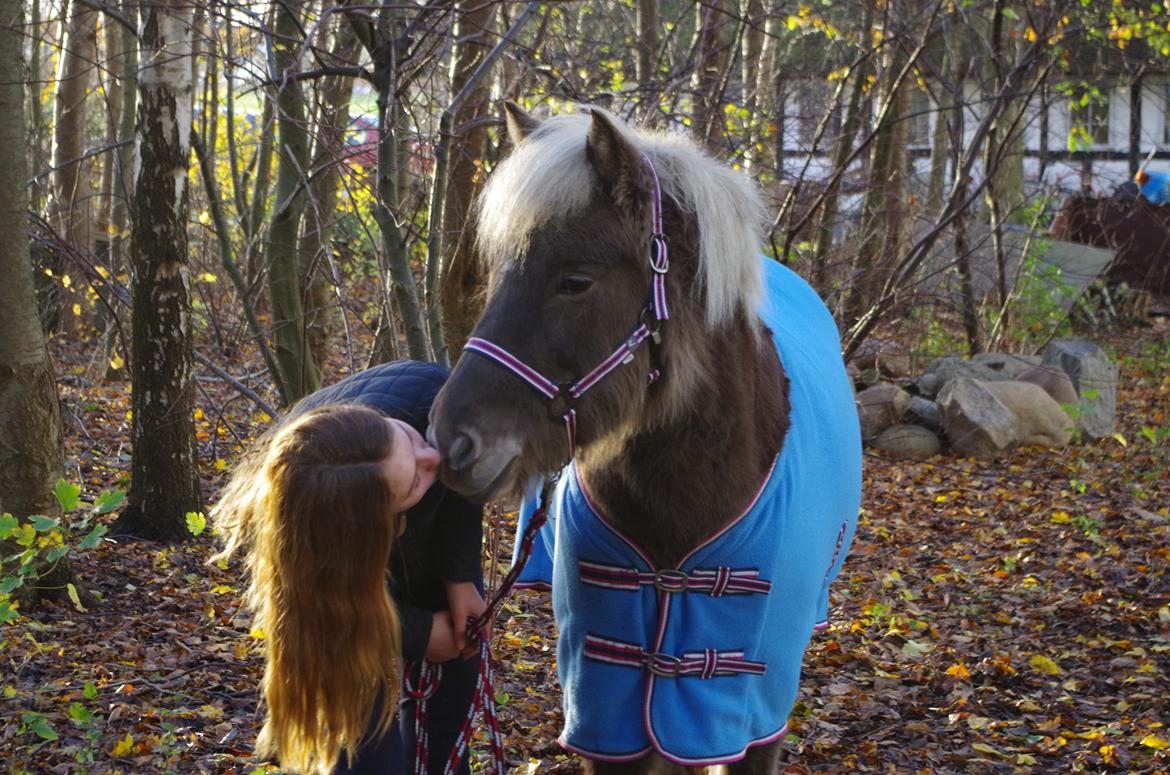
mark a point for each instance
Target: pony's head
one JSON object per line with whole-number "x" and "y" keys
{"x": 312, "y": 507}
{"x": 564, "y": 226}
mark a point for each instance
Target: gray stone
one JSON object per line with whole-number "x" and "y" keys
{"x": 1007, "y": 365}
{"x": 975, "y": 421}
{"x": 1055, "y": 383}
{"x": 908, "y": 441}
{"x": 989, "y": 367}
{"x": 1042, "y": 421}
{"x": 879, "y": 407}
{"x": 889, "y": 359}
{"x": 924, "y": 412}
{"x": 1095, "y": 378}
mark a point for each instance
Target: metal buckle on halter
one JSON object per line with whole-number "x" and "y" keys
{"x": 660, "y": 266}
{"x": 664, "y": 665}
{"x": 652, "y": 322}
{"x": 670, "y": 580}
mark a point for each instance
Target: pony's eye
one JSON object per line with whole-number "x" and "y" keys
{"x": 574, "y": 284}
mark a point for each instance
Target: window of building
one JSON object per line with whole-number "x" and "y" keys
{"x": 1090, "y": 118}
{"x": 919, "y": 117}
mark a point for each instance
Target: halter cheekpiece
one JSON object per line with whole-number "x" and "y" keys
{"x": 649, "y": 321}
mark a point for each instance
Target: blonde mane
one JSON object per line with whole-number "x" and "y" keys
{"x": 549, "y": 177}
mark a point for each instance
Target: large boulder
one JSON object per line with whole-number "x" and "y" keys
{"x": 1095, "y": 378}
{"x": 1055, "y": 383}
{"x": 976, "y": 422}
{"x": 988, "y": 367}
{"x": 903, "y": 440}
{"x": 1041, "y": 419}
{"x": 879, "y": 407}
{"x": 883, "y": 357}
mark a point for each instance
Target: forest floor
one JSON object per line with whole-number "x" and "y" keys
{"x": 993, "y": 616}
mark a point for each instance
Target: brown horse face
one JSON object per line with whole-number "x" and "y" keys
{"x": 562, "y": 310}
{"x": 575, "y": 294}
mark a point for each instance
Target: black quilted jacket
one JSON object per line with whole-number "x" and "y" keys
{"x": 444, "y": 531}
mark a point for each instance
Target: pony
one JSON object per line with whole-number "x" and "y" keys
{"x": 691, "y": 397}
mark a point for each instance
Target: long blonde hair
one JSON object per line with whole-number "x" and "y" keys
{"x": 314, "y": 515}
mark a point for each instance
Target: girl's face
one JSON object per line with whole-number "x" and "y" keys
{"x": 412, "y": 465}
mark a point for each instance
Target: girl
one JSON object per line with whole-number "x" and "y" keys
{"x": 359, "y": 560}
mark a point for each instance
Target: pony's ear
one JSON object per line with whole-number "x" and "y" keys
{"x": 616, "y": 161}
{"x": 520, "y": 122}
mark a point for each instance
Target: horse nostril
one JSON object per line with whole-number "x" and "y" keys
{"x": 462, "y": 452}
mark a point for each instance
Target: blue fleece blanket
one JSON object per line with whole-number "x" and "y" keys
{"x": 702, "y": 661}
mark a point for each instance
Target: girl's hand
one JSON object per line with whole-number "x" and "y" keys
{"x": 464, "y": 602}
{"x": 441, "y": 646}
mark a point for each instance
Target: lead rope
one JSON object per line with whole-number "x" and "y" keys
{"x": 485, "y": 688}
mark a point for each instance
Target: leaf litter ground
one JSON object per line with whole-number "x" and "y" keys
{"x": 993, "y": 616}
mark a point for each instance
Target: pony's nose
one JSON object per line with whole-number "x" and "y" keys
{"x": 462, "y": 452}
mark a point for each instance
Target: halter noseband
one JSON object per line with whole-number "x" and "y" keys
{"x": 649, "y": 321}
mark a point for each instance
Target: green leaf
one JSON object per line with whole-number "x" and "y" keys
{"x": 25, "y": 535}
{"x": 39, "y": 725}
{"x": 9, "y": 583}
{"x": 68, "y": 495}
{"x": 43, "y": 524}
{"x": 8, "y": 612}
{"x": 1008, "y": 12}
{"x": 94, "y": 538}
{"x": 56, "y": 553}
{"x": 90, "y": 691}
{"x": 8, "y": 523}
{"x": 80, "y": 714}
{"x": 196, "y": 522}
{"x": 108, "y": 501}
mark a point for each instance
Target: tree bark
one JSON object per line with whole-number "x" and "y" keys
{"x": 328, "y": 160}
{"x": 714, "y": 51}
{"x": 462, "y": 276}
{"x": 31, "y": 451}
{"x": 71, "y": 187}
{"x": 646, "y": 65}
{"x": 164, "y": 482}
{"x": 285, "y": 286}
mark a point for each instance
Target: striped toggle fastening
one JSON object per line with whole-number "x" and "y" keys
{"x": 707, "y": 663}
{"x": 714, "y": 581}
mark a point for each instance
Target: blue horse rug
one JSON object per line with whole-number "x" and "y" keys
{"x": 700, "y": 662}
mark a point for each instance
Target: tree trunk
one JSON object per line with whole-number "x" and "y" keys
{"x": 285, "y": 288}
{"x": 332, "y": 122}
{"x": 646, "y": 65}
{"x": 164, "y": 482}
{"x": 31, "y": 452}
{"x": 71, "y": 187}
{"x": 462, "y": 276}
{"x": 883, "y": 210}
{"x": 714, "y": 52}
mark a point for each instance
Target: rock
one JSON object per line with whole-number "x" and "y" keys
{"x": 887, "y": 358}
{"x": 975, "y": 421}
{"x": 988, "y": 367}
{"x": 879, "y": 407}
{"x": 1054, "y": 381}
{"x": 908, "y": 441}
{"x": 1095, "y": 378}
{"x": 1007, "y": 365}
{"x": 924, "y": 412}
{"x": 1041, "y": 419}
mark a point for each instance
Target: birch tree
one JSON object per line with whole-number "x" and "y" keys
{"x": 164, "y": 483}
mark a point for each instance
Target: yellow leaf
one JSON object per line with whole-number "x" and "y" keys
{"x": 1061, "y": 517}
{"x": 74, "y": 597}
{"x": 124, "y": 746}
{"x": 985, "y": 748}
{"x": 1155, "y": 742}
{"x": 960, "y": 671}
{"x": 219, "y": 464}
{"x": 211, "y": 712}
{"x": 116, "y": 362}
{"x": 258, "y": 633}
{"x": 76, "y": 310}
{"x": 1042, "y": 664}
{"x": 66, "y": 280}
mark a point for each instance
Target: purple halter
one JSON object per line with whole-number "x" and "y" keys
{"x": 623, "y": 354}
